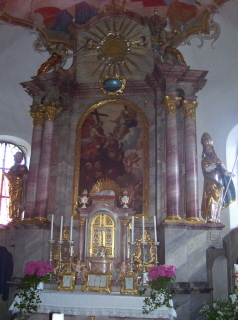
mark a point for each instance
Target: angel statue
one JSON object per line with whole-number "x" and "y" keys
{"x": 218, "y": 190}
{"x": 58, "y": 57}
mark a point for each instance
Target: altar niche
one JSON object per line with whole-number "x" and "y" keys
{"x": 112, "y": 142}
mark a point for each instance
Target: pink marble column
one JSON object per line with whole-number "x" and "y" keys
{"x": 124, "y": 244}
{"x": 38, "y": 118}
{"x": 81, "y": 252}
{"x": 51, "y": 110}
{"x": 172, "y": 160}
{"x": 191, "y": 177}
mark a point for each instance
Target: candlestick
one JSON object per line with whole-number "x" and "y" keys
{"x": 52, "y": 226}
{"x": 132, "y": 229}
{"x": 61, "y": 227}
{"x": 71, "y": 229}
{"x": 155, "y": 229}
{"x": 143, "y": 229}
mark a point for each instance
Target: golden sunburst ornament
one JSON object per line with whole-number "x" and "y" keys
{"x": 115, "y": 46}
{"x": 113, "y": 49}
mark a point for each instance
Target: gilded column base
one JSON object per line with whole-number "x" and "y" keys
{"x": 174, "y": 219}
{"x": 34, "y": 220}
{"x": 194, "y": 220}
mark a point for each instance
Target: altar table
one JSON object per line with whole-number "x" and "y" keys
{"x": 98, "y": 304}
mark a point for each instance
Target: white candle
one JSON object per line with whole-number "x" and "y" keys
{"x": 61, "y": 228}
{"x": 52, "y": 226}
{"x": 71, "y": 228}
{"x": 143, "y": 229}
{"x": 132, "y": 229}
{"x": 22, "y": 215}
{"x": 155, "y": 230}
{"x": 57, "y": 316}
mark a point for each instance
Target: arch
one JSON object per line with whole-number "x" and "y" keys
{"x": 220, "y": 278}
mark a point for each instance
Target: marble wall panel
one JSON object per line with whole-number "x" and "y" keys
{"x": 196, "y": 255}
{"x": 31, "y": 245}
{"x": 175, "y": 246}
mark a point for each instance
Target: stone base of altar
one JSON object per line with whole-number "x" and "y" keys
{"x": 83, "y": 305}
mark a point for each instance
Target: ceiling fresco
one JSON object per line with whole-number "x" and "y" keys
{"x": 119, "y": 37}
{"x": 184, "y": 17}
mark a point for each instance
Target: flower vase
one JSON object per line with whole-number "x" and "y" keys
{"x": 40, "y": 286}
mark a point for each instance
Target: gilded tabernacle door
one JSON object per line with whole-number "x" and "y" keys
{"x": 113, "y": 143}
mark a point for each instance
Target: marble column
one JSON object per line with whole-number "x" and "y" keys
{"x": 38, "y": 119}
{"x": 50, "y": 111}
{"x": 81, "y": 252}
{"x": 172, "y": 160}
{"x": 124, "y": 244}
{"x": 191, "y": 175}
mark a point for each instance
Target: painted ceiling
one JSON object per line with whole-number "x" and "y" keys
{"x": 187, "y": 17}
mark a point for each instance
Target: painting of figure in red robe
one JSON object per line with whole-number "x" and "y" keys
{"x": 112, "y": 147}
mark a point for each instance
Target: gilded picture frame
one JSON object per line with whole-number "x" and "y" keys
{"x": 130, "y": 141}
{"x": 97, "y": 281}
{"x": 129, "y": 283}
{"x": 67, "y": 281}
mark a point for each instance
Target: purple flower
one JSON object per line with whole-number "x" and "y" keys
{"x": 40, "y": 265}
{"x": 49, "y": 268}
{"x": 161, "y": 271}
{"x": 30, "y": 270}
{"x": 41, "y": 272}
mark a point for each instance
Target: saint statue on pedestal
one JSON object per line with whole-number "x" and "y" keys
{"x": 218, "y": 191}
{"x": 17, "y": 176}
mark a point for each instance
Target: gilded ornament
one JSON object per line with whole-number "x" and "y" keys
{"x": 51, "y": 110}
{"x": 105, "y": 184}
{"x": 189, "y": 108}
{"x": 125, "y": 222}
{"x": 82, "y": 221}
{"x": 170, "y": 104}
{"x": 113, "y": 48}
{"x": 38, "y": 117}
{"x": 97, "y": 281}
{"x": 138, "y": 254}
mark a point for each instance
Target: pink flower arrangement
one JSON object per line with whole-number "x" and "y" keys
{"x": 160, "y": 279}
{"x": 161, "y": 271}
{"x": 38, "y": 268}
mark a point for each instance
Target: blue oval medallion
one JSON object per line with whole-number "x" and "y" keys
{"x": 112, "y": 84}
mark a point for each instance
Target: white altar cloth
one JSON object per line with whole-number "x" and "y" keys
{"x": 98, "y": 304}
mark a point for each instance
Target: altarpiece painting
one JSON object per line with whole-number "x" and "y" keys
{"x": 112, "y": 143}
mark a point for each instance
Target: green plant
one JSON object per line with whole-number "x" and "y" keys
{"x": 28, "y": 297}
{"x": 221, "y": 309}
{"x": 160, "y": 280}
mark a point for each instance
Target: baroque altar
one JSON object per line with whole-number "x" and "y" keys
{"x": 113, "y": 150}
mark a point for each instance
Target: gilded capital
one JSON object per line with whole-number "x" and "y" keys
{"x": 189, "y": 108}
{"x": 82, "y": 221}
{"x": 51, "y": 110}
{"x": 38, "y": 117}
{"x": 125, "y": 222}
{"x": 170, "y": 104}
